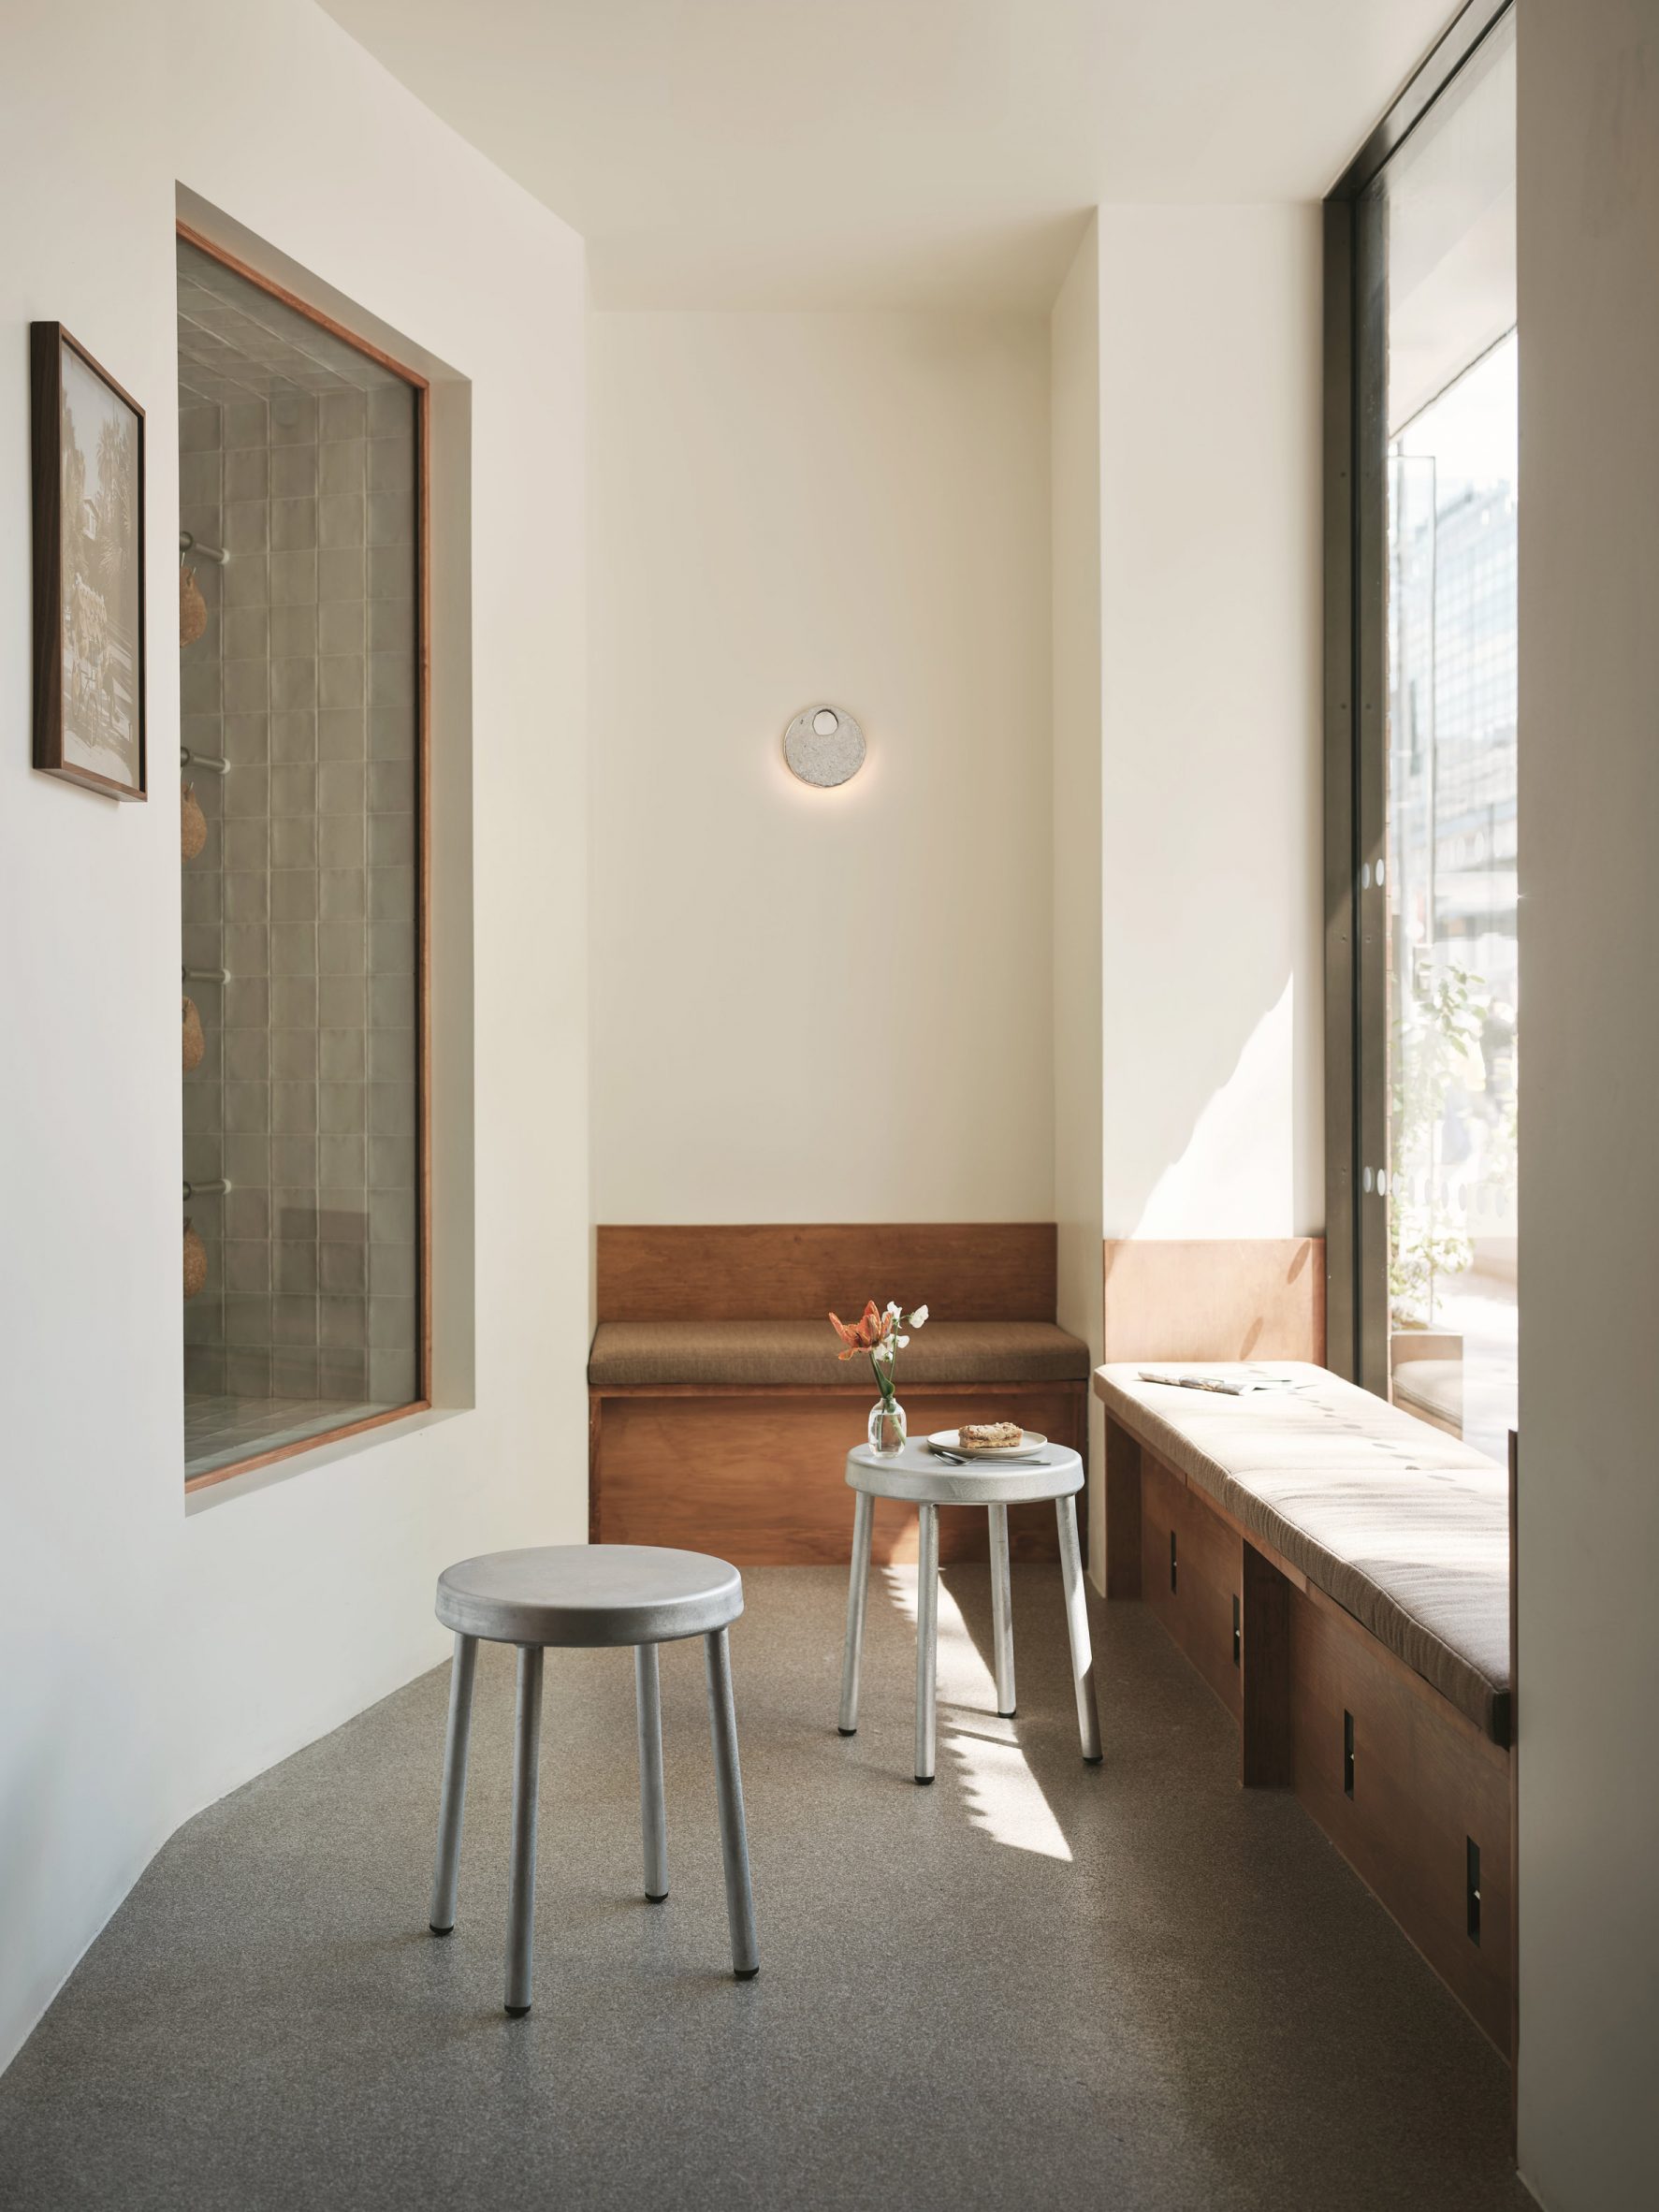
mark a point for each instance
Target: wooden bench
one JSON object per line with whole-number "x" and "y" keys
{"x": 1338, "y": 1573}
{"x": 720, "y": 1417}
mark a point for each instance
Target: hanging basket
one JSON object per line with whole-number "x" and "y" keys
{"x": 196, "y": 1263}
{"x": 193, "y": 824}
{"x": 195, "y": 1043}
{"x": 193, "y": 608}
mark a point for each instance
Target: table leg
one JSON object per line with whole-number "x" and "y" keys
{"x": 863, "y": 1515}
{"x": 1077, "y": 1624}
{"x": 722, "y": 1717}
{"x": 1002, "y": 1610}
{"x": 653, "y": 1807}
{"x": 927, "y": 1639}
{"x": 521, "y": 1896}
{"x": 452, "y": 1805}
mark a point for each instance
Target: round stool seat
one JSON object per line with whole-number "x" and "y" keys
{"x": 921, "y": 1478}
{"x": 588, "y": 1595}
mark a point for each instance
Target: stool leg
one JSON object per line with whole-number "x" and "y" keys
{"x": 926, "y": 1637}
{"x": 521, "y": 1896}
{"x": 653, "y": 1808}
{"x": 452, "y": 1805}
{"x": 863, "y": 1514}
{"x": 1077, "y": 1623}
{"x": 1001, "y": 1610}
{"x": 722, "y": 1721}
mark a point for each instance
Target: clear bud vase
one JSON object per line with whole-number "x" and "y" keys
{"x": 887, "y": 1427}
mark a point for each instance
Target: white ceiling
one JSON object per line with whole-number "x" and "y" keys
{"x": 874, "y": 152}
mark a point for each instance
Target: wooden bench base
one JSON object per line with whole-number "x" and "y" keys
{"x": 758, "y": 1475}
{"x": 1411, "y": 1792}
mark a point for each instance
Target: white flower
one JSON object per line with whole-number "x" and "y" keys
{"x": 918, "y": 1317}
{"x": 901, "y": 1342}
{"x": 893, "y": 1310}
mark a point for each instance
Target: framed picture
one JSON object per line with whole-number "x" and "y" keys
{"x": 88, "y": 496}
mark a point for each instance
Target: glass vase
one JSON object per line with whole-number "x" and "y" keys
{"x": 887, "y": 1427}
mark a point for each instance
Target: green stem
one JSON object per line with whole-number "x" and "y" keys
{"x": 884, "y": 1383}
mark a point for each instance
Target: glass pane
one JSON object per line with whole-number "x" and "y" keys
{"x": 300, "y": 723}
{"x": 1453, "y": 987}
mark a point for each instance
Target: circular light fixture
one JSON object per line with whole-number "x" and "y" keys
{"x": 823, "y": 746}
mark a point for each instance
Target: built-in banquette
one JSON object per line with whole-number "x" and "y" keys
{"x": 720, "y": 1417}
{"x": 1339, "y": 1574}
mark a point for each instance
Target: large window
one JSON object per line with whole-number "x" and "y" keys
{"x": 1422, "y": 713}
{"x": 301, "y": 455}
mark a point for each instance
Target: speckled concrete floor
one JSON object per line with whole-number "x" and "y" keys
{"x": 1035, "y": 1983}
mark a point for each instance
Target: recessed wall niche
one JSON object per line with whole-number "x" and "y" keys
{"x": 299, "y": 461}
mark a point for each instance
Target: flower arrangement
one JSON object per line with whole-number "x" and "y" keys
{"x": 880, "y": 1335}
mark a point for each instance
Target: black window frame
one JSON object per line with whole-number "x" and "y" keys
{"x": 1356, "y": 735}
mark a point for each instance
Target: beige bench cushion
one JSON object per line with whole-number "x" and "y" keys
{"x": 629, "y": 1355}
{"x": 1406, "y": 1527}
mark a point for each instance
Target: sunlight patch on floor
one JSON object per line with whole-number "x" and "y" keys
{"x": 1002, "y": 1795}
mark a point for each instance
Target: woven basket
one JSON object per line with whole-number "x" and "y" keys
{"x": 193, "y": 824}
{"x": 193, "y": 607}
{"x": 196, "y": 1263}
{"x": 196, "y": 1044}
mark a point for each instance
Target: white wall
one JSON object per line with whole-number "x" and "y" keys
{"x": 1210, "y": 643}
{"x": 154, "y": 1659}
{"x": 790, "y": 986}
{"x": 1074, "y": 354}
{"x": 1588, "y": 1685}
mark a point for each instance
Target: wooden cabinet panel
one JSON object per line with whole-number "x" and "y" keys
{"x": 1198, "y": 1610}
{"x": 759, "y": 1476}
{"x": 966, "y": 1271}
{"x": 1425, "y": 1783}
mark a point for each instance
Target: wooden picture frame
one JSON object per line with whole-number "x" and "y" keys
{"x": 88, "y": 528}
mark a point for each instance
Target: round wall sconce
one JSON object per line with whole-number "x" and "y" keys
{"x": 823, "y": 746}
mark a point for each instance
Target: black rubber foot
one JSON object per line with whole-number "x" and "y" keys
{"x": 840, "y": 1731}
{"x": 437, "y": 1931}
{"x": 656, "y": 1897}
{"x": 1098, "y": 1762}
{"x": 744, "y": 1974}
{"x": 515, "y": 2011}
{"x": 924, "y": 1781}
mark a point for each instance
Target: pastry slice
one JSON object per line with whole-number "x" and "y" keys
{"x": 988, "y": 1434}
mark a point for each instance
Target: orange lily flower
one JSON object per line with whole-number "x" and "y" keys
{"x": 871, "y": 1328}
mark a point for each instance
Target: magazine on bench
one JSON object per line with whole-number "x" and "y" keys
{"x": 1225, "y": 1385}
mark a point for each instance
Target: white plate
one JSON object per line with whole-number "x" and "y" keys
{"x": 1029, "y": 1445}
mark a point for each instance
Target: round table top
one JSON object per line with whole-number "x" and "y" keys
{"x": 917, "y": 1473}
{"x": 589, "y": 1594}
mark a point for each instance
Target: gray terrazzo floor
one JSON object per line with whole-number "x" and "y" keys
{"x": 1035, "y": 1983}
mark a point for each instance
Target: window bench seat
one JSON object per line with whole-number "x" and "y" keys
{"x": 742, "y": 1354}
{"x": 1338, "y": 1572}
{"x": 725, "y": 1432}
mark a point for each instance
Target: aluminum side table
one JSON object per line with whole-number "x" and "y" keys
{"x": 920, "y": 1478}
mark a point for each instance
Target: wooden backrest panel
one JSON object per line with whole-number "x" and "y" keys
{"x": 963, "y": 1270}
{"x": 1258, "y": 1298}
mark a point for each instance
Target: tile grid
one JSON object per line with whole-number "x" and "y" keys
{"x": 315, "y": 697}
{"x": 201, "y": 467}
